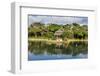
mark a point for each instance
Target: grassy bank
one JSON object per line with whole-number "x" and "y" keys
{"x": 53, "y": 41}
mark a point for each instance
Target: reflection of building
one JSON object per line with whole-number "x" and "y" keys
{"x": 58, "y": 44}
{"x": 58, "y": 34}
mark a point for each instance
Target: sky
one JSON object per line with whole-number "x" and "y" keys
{"x": 58, "y": 19}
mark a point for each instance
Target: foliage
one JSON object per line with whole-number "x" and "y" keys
{"x": 70, "y": 31}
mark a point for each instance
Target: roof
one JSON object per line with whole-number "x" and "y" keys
{"x": 59, "y": 32}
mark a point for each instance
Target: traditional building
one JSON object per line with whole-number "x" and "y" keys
{"x": 58, "y": 34}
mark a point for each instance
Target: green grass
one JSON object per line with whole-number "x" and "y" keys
{"x": 54, "y": 41}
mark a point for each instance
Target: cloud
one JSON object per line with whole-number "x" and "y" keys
{"x": 58, "y": 19}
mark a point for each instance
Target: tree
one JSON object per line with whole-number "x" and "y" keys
{"x": 75, "y": 24}
{"x": 70, "y": 31}
{"x": 53, "y": 27}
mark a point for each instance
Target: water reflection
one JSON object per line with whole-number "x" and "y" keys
{"x": 42, "y": 50}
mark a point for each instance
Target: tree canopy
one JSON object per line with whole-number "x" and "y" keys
{"x": 71, "y": 31}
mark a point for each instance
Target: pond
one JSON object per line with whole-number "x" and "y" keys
{"x": 42, "y": 50}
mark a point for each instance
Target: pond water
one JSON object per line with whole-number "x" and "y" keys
{"x": 41, "y": 50}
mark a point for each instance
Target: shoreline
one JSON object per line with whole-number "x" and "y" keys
{"x": 50, "y": 40}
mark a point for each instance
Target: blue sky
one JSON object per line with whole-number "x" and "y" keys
{"x": 57, "y": 19}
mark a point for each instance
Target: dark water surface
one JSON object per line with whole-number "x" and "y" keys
{"x": 41, "y": 50}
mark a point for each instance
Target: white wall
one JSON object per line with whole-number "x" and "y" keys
{"x": 5, "y": 32}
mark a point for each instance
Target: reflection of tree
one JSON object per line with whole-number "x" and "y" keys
{"x": 73, "y": 48}
{"x": 79, "y": 47}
